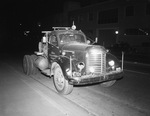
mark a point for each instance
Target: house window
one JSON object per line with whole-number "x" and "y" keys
{"x": 89, "y": 33}
{"x": 72, "y": 18}
{"x": 129, "y": 10}
{"x": 80, "y": 18}
{"x": 148, "y": 9}
{"x": 90, "y": 16}
{"x": 108, "y": 16}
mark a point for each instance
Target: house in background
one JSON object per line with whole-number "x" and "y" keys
{"x": 111, "y": 21}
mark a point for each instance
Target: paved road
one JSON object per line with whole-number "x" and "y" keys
{"x": 23, "y": 96}
{"x": 36, "y": 95}
{"x": 19, "y": 99}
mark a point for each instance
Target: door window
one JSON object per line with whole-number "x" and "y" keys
{"x": 53, "y": 40}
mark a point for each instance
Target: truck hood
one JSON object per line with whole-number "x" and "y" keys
{"x": 81, "y": 47}
{"x": 75, "y": 46}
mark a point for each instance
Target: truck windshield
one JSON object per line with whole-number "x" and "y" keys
{"x": 67, "y": 38}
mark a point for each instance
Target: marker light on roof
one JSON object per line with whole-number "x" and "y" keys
{"x": 73, "y": 27}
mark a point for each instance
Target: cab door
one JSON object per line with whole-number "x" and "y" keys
{"x": 53, "y": 51}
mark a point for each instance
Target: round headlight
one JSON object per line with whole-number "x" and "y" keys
{"x": 81, "y": 65}
{"x": 63, "y": 53}
{"x": 91, "y": 69}
{"x": 111, "y": 63}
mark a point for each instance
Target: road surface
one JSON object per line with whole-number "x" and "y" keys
{"x": 35, "y": 95}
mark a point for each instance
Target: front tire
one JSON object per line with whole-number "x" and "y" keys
{"x": 108, "y": 84}
{"x": 60, "y": 83}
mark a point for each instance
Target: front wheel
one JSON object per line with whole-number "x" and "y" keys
{"x": 61, "y": 84}
{"x": 108, "y": 84}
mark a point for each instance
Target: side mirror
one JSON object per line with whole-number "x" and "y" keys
{"x": 96, "y": 40}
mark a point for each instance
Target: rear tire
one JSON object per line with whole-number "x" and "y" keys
{"x": 28, "y": 65}
{"x": 108, "y": 84}
{"x": 60, "y": 83}
{"x": 35, "y": 70}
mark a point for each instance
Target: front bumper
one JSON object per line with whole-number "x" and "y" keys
{"x": 96, "y": 78}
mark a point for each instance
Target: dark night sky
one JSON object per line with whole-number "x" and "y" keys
{"x": 27, "y": 13}
{"x": 31, "y": 10}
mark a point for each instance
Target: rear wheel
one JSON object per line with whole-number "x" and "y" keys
{"x": 61, "y": 84}
{"x": 108, "y": 84}
{"x": 28, "y": 65}
{"x": 35, "y": 70}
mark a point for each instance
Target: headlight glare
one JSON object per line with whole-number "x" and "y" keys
{"x": 111, "y": 63}
{"x": 91, "y": 69}
{"x": 81, "y": 65}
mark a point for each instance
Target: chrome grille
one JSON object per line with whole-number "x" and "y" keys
{"x": 96, "y": 61}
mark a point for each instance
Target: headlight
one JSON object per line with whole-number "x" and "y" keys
{"x": 63, "y": 53}
{"x": 81, "y": 65}
{"x": 111, "y": 63}
{"x": 91, "y": 69}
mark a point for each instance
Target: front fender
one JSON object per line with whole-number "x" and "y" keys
{"x": 64, "y": 63}
{"x": 110, "y": 57}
